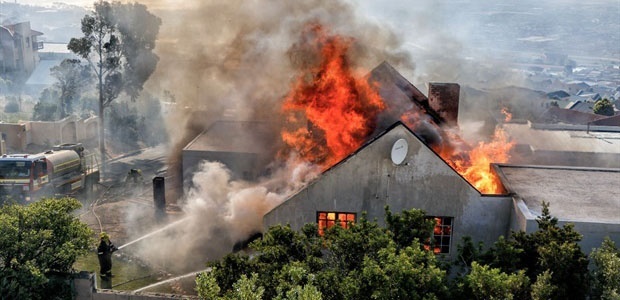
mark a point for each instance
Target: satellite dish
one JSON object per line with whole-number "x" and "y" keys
{"x": 399, "y": 151}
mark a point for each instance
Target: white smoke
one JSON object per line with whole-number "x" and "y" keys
{"x": 220, "y": 212}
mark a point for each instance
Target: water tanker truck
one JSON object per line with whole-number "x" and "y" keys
{"x": 65, "y": 170}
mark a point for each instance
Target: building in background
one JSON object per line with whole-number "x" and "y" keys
{"x": 51, "y": 56}
{"x": 19, "y": 54}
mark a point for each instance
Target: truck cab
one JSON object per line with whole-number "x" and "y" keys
{"x": 21, "y": 175}
{"x": 65, "y": 170}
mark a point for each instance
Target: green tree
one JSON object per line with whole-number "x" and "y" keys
{"x": 542, "y": 288}
{"x": 206, "y": 285}
{"x": 551, "y": 249}
{"x": 360, "y": 262}
{"x": 409, "y": 226}
{"x": 348, "y": 247}
{"x": 247, "y": 289}
{"x": 556, "y": 249}
{"x": 46, "y": 108}
{"x": 118, "y": 42}
{"x": 409, "y": 273}
{"x": 37, "y": 243}
{"x": 491, "y": 283}
{"x": 124, "y": 122}
{"x": 72, "y": 77}
{"x": 606, "y": 273}
{"x": 295, "y": 282}
{"x": 603, "y": 107}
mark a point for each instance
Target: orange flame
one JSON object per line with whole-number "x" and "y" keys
{"x": 473, "y": 163}
{"x": 331, "y": 110}
{"x": 507, "y": 114}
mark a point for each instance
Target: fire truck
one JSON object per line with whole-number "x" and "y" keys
{"x": 65, "y": 170}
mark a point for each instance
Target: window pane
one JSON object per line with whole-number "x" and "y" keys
{"x": 442, "y": 233}
{"x": 437, "y": 230}
{"x": 328, "y": 219}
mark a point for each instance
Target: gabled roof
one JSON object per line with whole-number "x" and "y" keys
{"x": 559, "y": 94}
{"x": 7, "y": 30}
{"x": 567, "y": 116}
{"x": 610, "y": 121}
{"x": 399, "y": 94}
{"x": 386, "y": 131}
{"x": 234, "y": 136}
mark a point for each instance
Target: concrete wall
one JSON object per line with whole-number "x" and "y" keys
{"x": 520, "y": 217}
{"x": 68, "y": 130}
{"x": 8, "y": 54}
{"x": 88, "y": 128}
{"x": 49, "y": 133}
{"x": 15, "y": 135}
{"x": 369, "y": 180}
{"x": 593, "y": 232}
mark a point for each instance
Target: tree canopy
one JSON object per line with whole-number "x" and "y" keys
{"x": 38, "y": 242}
{"x": 72, "y": 77}
{"x": 603, "y": 107}
{"x": 118, "y": 43}
{"x": 550, "y": 257}
{"x": 366, "y": 261}
{"x": 361, "y": 262}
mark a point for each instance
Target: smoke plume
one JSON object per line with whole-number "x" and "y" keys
{"x": 219, "y": 213}
{"x": 237, "y": 60}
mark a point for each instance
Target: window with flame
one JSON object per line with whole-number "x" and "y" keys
{"x": 326, "y": 220}
{"x": 442, "y": 235}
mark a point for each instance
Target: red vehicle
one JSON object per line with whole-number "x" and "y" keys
{"x": 65, "y": 170}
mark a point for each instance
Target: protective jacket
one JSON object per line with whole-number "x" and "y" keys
{"x": 104, "y": 254}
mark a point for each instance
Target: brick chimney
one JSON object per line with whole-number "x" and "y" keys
{"x": 444, "y": 99}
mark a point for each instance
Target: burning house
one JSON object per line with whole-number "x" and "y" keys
{"x": 399, "y": 170}
{"x": 419, "y": 162}
{"x": 412, "y": 176}
{"x": 372, "y": 140}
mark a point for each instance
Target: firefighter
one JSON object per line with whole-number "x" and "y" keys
{"x": 104, "y": 253}
{"x": 134, "y": 175}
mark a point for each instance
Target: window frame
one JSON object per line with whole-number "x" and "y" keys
{"x": 441, "y": 236}
{"x": 349, "y": 217}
